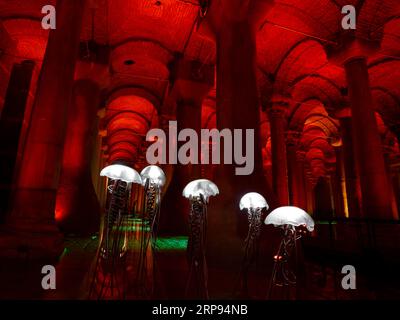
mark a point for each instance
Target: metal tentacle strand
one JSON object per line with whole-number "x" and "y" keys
{"x": 283, "y": 275}
{"x": 196, "y": 247}
{"x": 251, "y": 246}
{"x": 107, "y": 281}
{"x": 148, "y": 235}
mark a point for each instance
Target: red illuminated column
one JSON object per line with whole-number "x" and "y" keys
{"x": 77, "y": 208}
{"x": 35, "y": 196}
{"x": 189, "y": 116}
{"x": 278, "y": 152}
{"x": 192, "y": 85}
{"x": 237, "y": 99}
{"x": 368, "y": 149}
{"x": 335, "y": 190}
{"x": 294, "y": 170}
{"x": 310, "y": 183}
{"x": 353, "y": 189}
{"x": 176, "y": 206}
{"x": 339, "y": 185}
{"x": 238, "y": 107}
{"x": 302, "y": 188}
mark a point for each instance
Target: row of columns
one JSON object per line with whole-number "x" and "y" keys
{"x": 360, "y": 160}
{"x": 36, "y": 192}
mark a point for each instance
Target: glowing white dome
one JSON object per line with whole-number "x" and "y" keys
{"x": 253, "y": 200}
{"x": 155, "y": 174}
{"x": 121, "y": 172}
{"x": 290, "y": 215}
{"x": 202, "y": 186}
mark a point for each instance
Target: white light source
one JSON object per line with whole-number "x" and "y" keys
{"x": 290, "y": 215}
{"x": 253, "y": 200}
{"x": 154, "y": 174}
{"x": 121, "y": 172}
{"x": 199, "y": 187}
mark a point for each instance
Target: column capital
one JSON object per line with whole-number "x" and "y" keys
{"x": 349, "y": 48}
{"x": 279, "y": 100}
{"x": 278, "y": 105}
{"x": 293, "y": 138}
{"x": 277, "y": 112}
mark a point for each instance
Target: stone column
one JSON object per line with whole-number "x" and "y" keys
{"x": 302, "y": 189}
{"x": 35, "y": 195}
{"x": 188, "y": 116}
{"x": 353, "y": 188}
{"x": 192, "y": 84}
{"x": 368, "y": 149}
{"x": 294, "y": 170}
{"x": 310, "y": 182}
{"x": 11, "y": 127}
{"x": 77, "y": 207}
{"x": 278, "y": 152}
{"x": 238, "y": 107}
{"x": 340, "y": 184}
{"x": 335, "y": 189}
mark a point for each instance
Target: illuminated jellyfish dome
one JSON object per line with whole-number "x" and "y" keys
{"x": 199, "y": 187}
{"x": 289, "y": 215}
{"x": 154, "y": 174}
{"x": 121, "y": 172}
{"x": 253, "y": 200}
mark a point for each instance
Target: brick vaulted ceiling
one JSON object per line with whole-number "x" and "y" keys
{"x": 293, "y": 40}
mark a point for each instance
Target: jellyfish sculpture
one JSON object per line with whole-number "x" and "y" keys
{"x": 198, "y": 192}
{"x": 153, "y": 179}
{"x": 106, "y": 281}
{"x": 254, "y": 203}
{"x": 294, "y": 222}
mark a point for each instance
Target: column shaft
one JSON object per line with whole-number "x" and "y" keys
{"x": 374, "y": 186}
{"x": 237, "y": 108}
{"x": 340, "y": 185}
{"x": 77, "y": 208}
{"x": 35, "y": 197}
{"x": 353, "y": 189}
{"x": 279, "y": 159}
{"x": 302, "y": 188}
{"x": 177, "y": 207}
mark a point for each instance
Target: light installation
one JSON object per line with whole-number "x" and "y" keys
{"x": 294, "y": 222}
{"x": 254, "y": 203}
{"x": 153, "y": 179}
{"x": 198, "y": 192}
{"x": 108, "y": 278}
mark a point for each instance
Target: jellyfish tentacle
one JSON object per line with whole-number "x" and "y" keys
{"x": 196, "y": 244}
